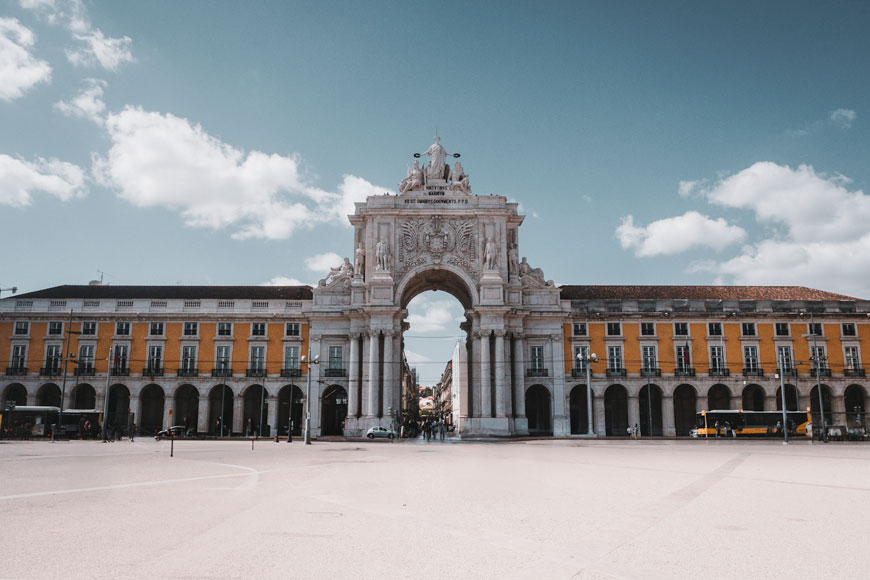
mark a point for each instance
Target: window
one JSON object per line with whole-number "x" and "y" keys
{"x": 781, "y": 329}
{"x": 291, "y": 357}
{"x": 292, "y": 329}
{"x": 225, "y": 329}
{"x": 155, "y": 358}
{"x": 121, "y": 354}
{"x": 649, "y": 358}
{"x": 747, "y": 329}
{"x": 817, "y": 355}
{"x": 681, "y": 329}
{"x": 258, "y": 358}
{"x": 853, "y": 361}
{"x": 86, "y": 358}
{"x": 21, "y": 328}
{"x": 717, "y": 358}
{"x": 579, "y": 329}
{"x": 581, "y": 357}
{"x": 191, "y": 328}
{"x": 89, "y": 328}
{"x": 714, "y": 329}
{"x": 222, "y": 358}
{"x": 849, "y": 329}
{"x": 647, "y": 328}
{"x": 536, "y": 357}
{"x": 814, "y": 328}
{"x": 784, "y": 358}
{"x": 122, "y": 329}
{"x": 155, "y": 329}
{"x": 614, "y": 358}
{"x": 55, "y": 328}
{"x": 19, "y": 356}
{"x": 335, "y": 357}
{"x": 188, "y": 358}
{"x": 684, "y": 361}
{"x": 613, "y": 329}
{"x": 52, "y": 358}
{"x": 750, "y": 358}
{"x": 258, "y": 329}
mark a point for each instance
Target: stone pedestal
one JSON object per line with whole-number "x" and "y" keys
{"x": 491, "y": 288}
{"x": 381, "y": 289}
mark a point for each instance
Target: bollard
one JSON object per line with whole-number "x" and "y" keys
{"x": 171, "y": 443}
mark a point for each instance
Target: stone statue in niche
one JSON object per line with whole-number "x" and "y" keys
{"x": 414, "y": 179}
{"x": 435, "y": 167}
{"x": 382, "y": 255}
{"x": 359, "y": 259}
{"x": 533, "y": 277}
{"x": 513, "y": 261}
{"x": 459, "y": 179}
{"x": 490, "y": 251}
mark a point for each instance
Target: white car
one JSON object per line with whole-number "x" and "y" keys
{"x": 380, "y": 432}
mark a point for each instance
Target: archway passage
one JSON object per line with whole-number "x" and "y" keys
{"x": 255, "y": 413}
{"x": 615, "y": 410}
{"x": 791, "y": 398}
{"x": 119, "y": 407}
{"x": 854, "y": 398}
{"x": 48, "y": 395}
{"x": 435, "y": 278}
{"x": 83, "y": 396}
{"x": 827, "y": 402}
{"x": 152, "y": 401}
{"x": 719, "y": 398}
{"x": 650, "y": 403}
{"x": 220, "y": 410}
{"x": 685, "y": 409}
{"x": 334, "y": 410}
{"x": 538, "y": 410}
{"x": 15, "y": 392}
{"x": 753, "y": 398}
{"x": 578, "y": 411}
{"x": 290, "y": 405}
{"x": 187, "y": 407}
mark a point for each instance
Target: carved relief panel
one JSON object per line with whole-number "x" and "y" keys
{"x": 438, "y": 240}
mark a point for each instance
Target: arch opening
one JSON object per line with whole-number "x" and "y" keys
{"x": 220, "y": 410}
{"x": 615, "y": 410}
{"x": 538, "y": 405}
{"x": 650, "y": 404}
{"x": 333, "y": 410}
{"x": 685, "y": 409}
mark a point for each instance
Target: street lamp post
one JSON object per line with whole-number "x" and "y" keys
{"x": 106, "y": 399}
{"x": 69, "y": 333}
{"x": 309, "y": 361}
{"x": 782, "y": 397}
{"x": 586, "y": 359}
{"x": 817, "y": 361}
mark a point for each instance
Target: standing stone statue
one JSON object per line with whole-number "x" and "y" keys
{"x": 382, "y": 256}
{"x": 513, "y": 261}
{"x": 359, "y": 260}
{"x": 435, "y": 169}
{"x": 490, "y": 261}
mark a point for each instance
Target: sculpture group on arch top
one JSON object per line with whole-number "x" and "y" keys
{"x": 435, "y": 238}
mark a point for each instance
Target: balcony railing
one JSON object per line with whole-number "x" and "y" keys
{"x": 222, "y": 372}
{"x": 255, "y": 372}
{"x": 334, "y": 372}
{"x": 718, "y": 372}
{"x": 187, "y": 373}
{"x": 854, "y": 372}
{"x": 536, "y": 372}
{"x": 16, "y": 371}
{"x": 820, "y": 372}
{"x": 684, "y": 372}
{"x": 120, "y": 371}
{"x": 650, "y": 372}
{"x": 753, "y": 372}
{"x": 787, "y": 372}
{"x": 616, "y": 372}
{"x": 152, "y": 371}
{"x": 50, "y": 371}
{"x": 291, "y": 372}
{"x": 85, "y": 370}
{"x": 579, "y": 372}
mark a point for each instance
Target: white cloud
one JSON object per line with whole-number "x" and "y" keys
{"x": 19, "y": 179}
{"x": 19, "y": 69}
{"x": 688, "y": 187}
{"x": 160, "y": 160}
{"x": 93, "y": 47}
{"x": 415, "y": 358}
{"x": 88, "y": 104}
{"x": 426, "y": 315}
{"x": 843, "y": 118}
{"x": 322, "y": 263}
{"x": 284, "y": 281}
{"x": 678, "y": 234}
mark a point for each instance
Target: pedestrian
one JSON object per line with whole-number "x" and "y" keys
{"x": 727, "y": 428}
{"x": 629, "y": 431}
{"x": 132, "y": 432}
{"x": 718, "y": 428}
{"x": 442, "y": 430}
{"x": 810, "y": 433}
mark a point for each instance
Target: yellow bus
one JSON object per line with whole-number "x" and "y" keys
{"x": 740, "y": 423}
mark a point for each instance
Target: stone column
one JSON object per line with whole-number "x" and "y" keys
{"x": 238, "y": 409}
{"x": 770, "y": 402}
{"x": 475, "y": 380}
{"x": 272, "y": 417}
{"x": 519, "y": 375}
{"x": 134, "y": 408}
{"x": 600, "y": 419}
{"x": 372, "y": 399}
{"x": 560, "y": 425}
{"x": 353, "y": 378}
{"x": 389, "y": 337}
{"x": 485, "y": 384}
{"x": 169, "y": 405}
{"x": 634, "y": 411}
{"x": 500, "y": 371}
{"x": 668, "y": 427}
{"x": 316, "y": 348}
{"x": 202, "y": 425}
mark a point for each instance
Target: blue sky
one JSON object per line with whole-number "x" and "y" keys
{"x": 224, "y": 142}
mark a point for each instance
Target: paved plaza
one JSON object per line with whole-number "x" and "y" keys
{"x": 531, "y": 509}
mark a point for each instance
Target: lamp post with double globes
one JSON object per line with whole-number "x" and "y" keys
{"x": 585, "y": 360}
{"x": 309, "y": 361}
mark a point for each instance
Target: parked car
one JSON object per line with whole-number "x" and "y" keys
{"x": 380, "y": 432}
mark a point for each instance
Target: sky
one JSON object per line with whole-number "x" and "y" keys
{"x": 665, "y": 142}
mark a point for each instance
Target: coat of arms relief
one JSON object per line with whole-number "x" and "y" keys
{"x": 437, "y": 241}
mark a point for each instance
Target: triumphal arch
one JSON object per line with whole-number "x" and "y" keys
{"x": 437, "y": 235}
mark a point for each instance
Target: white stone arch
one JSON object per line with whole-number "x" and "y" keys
{"x": 415, "y": 282}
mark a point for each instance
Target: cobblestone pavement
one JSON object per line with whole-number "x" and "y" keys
{"x": 533, "y": 509}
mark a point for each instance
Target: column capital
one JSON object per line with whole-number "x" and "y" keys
{"x": 373, "y": 333}
{"x": 390, "y": 333}
{"x": 499, "y": 333}
{"x": 519, "y": 336}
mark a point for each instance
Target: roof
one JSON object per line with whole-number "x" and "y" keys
{"x": 173, "y": 292}
{"x": 697, "y": 293}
